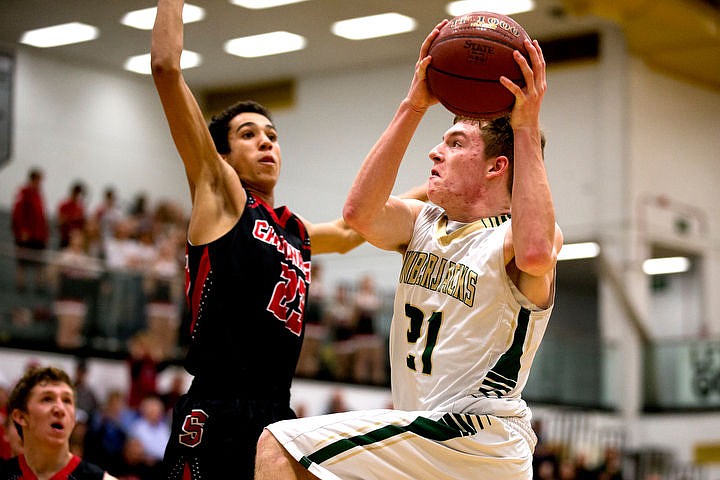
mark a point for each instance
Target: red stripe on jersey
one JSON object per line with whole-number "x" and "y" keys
{"x": 203, "y": 271}
{"x": 284, "y": 212}
{"x": 187, "y": 474}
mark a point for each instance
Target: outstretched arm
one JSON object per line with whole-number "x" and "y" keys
{"x": 384, "y": 220}
{"x": 217, "y": 195}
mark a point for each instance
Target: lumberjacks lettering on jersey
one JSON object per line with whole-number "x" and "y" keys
{"x": 288, "y": 299}
{"x": 439, "y": 274}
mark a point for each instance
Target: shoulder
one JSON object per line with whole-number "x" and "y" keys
{"x": 9, "y": 468}
{"x": 427, "y": 213}
{"x": 89, "y": 471}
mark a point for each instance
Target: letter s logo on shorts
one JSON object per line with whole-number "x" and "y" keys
{"x": 193, "y": 428}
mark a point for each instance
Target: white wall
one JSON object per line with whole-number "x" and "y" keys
{"x": 93, "y": 125}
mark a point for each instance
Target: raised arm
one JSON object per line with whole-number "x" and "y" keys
{"x": 387, "y": 221}
{"x": 217, "y": 195}
{"x": 535, "y": 239}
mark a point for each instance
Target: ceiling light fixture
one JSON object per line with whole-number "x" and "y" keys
{"x": 665, "y": 266}
{"x": 505, "y": 7}
{"x": 576, "y": 251}
{"x": 265, "y": 44}
{"x": 57, "y": 35}
{"x": 141, "y": 63}
{"x": 259, "y": 4}
{"x": 145, "y": 19}
{"x": 382, "y": 25}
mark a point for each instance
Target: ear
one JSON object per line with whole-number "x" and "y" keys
{"x": 498, "y": 166}
{"x": 18, "y": 416}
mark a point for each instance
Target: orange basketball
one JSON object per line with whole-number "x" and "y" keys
{"x": 469, "y": 56}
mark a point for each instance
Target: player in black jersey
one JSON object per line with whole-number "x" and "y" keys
{"x": 42, "y": 407}
{"x": 248, "y": 273}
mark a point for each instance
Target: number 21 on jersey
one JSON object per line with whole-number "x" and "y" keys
{"x": 417, "y": 320}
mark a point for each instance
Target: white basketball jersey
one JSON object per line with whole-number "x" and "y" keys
{"x": 463, "y": 337}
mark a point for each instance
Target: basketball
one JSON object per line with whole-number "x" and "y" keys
{"x": 469, "y": 56}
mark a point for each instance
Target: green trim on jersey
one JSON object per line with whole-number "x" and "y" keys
{"x": 450, "y": 426}
{"x": 503, "y": 377}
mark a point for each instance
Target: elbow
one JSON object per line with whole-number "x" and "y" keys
{"x": 353, "y": 217}
{"x": 163, "y": 66}
{"x": 536, "y": 261}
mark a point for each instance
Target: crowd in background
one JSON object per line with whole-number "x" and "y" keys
{"x": 124, "y": 263}
{"x": 112, "y": 270}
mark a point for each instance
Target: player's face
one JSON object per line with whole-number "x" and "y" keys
{"x": 254, "y": 150}
{"x": 50, "y": 415}
{"x": 458, "y": 166}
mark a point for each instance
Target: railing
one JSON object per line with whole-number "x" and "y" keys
{"x": 83, "y": 307}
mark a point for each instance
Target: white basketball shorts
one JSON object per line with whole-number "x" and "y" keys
{"x": 395, "y": 444}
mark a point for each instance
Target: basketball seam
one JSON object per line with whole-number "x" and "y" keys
{"x": 493, "y": 40}
{"x": 474, "y": 79}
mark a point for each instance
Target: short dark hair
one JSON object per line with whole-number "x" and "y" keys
{"x": 34, "y": 376}
{"x": 35, "y": 174}
{"x": 78, "y": 188}
{"x": 220, "y": 124}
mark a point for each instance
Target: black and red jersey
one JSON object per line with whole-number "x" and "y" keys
{"x": 247, "y": 292}
{"x": 76, "y": 469}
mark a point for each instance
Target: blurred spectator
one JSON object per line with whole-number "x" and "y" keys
{"x": 567, "y": 470}
{"x": 163, "y": 286}
{"x": 337, "y": 403}
{"x": 547, "y": 469}
{"x": 178, "y": 386}
{"x": 71, "y": 214}
{"x": 139, "y": 213}
{"x": 310, "y": 361}
{"x": 152, "y": 428}
{"x": 369, "y": 366}
{"x": 582, "y": 469}
{"x": 125, "y": 295}
{"x": 145, "y": 361}
{"x": 10, "y": 441}
{"x": 107, "y": 214}
{"x": 30, "y": 232}
{"x": 135, "y": 463}
{"x": 611, "y": 467}
{"x": 86, "y": 398}
{"x": 77, "y": 437}
{"x": 341, "y": 318}
{"x": 107, "y": 432}
{"x": 77, "y": 278}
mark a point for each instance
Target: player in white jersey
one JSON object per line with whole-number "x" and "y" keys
{"x": 474, "y": 297}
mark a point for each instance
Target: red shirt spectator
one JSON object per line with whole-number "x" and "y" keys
{"x": 29, "y": 223}
{"x": 71, "y": 213}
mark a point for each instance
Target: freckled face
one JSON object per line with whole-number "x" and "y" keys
{"x": 254, "y": 150}
{"x": 458, "y": 166}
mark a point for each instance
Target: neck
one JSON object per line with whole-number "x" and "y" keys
{"x": 472, "y": 212}
{"x": 267, "y": 197}
{"x": 45, "y": 462}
